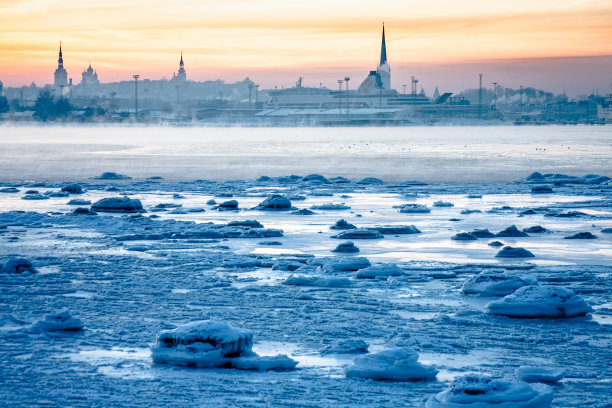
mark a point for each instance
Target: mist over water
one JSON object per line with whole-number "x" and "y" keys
{"x": 430, "y": 154}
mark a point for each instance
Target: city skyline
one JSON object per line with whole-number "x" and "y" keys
{"x": 550, "y": 45}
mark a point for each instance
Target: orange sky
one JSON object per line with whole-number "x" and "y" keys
{"x": 318, "y": 39}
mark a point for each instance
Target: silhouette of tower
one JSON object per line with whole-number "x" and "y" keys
{"x": 181, "y": 75}
{"x": 60, "y": 76}
{"x": 384, "y": 70}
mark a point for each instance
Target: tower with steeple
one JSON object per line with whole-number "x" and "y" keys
{"x": 384, "y": 70}
{"x": 60, "y": 79}
{"x": 181, "y": 75}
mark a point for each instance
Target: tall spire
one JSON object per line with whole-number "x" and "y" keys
{"x": 181, "y": 63}
{"x": 383, "y": 48}
{"x": 60, "y": 60}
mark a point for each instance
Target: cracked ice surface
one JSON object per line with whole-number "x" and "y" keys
{"x": 128, "y": 277}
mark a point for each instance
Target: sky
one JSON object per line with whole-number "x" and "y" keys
{"x": 556, "y": 45}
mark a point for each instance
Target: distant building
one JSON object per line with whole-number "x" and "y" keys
{"x": 60, "y": 76}
{"x": 89, "y": 77}
{"x": 181, "y": 75}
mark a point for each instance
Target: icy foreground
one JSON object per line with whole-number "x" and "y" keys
{"x": 389, "y": 317}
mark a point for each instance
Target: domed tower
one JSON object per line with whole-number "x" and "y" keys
{"x": 60, "y": 76}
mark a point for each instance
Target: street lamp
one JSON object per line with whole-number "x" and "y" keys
{"x": 136, "y": 76}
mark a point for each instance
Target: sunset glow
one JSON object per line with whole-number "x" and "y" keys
{"x": 317, "y": 39}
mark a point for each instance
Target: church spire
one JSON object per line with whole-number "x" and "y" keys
{"x": 383, "y": 48}
{"x": 181, "y": 63}
{"x": 60, "y": 60}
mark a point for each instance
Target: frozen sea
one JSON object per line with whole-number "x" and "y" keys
{"x": 127, "y": 276}
{"x": 431, "y": 154}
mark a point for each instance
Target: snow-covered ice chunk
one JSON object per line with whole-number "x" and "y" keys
{"x": 317, "y": 178}
{"x": 539, "y": 301}
{"x": 371, "y": 180}
{"x": 330, "y": 207}
{"x": 230, "y": 205}
{"x": 443, "y": 204}
{"x": 536, "y": 229}
{"x": 346, "y": 346}
{"x": 396, "y": 229}
{"x": 78, "y": 201}
{"x": 606, "y": 231}
{"x": 118, "y": 205}
{"x": 56, "y": 194}
{"x": 213, "y": 344}
{"x": 493, "y": 284}
{"x": 18, "y": 265}
{"x": 317, "y": 281}
{"x": 495, "y": 244}
{"x": 84, "y": 210}
{"x": 342, "y": 224}
{"x": 245, "y": 223}
{"x": 275, "y": 202}
{"x": 541, "y": 190}
{"x": 346, "y": 264}
{"x": 483, "y": 392}
{"x": 270, "y": 243}
{"x": 511, "y": 231}
{"x": 9, "y": 190}
{"x": 467, "y": 211}
{"x": 380, "y": 271}
{"x": 533, "y": 374}
{"x": 111, "y": 175}
{"x": 482, "y": 233}
{"x": 73, "y": 189}
{"x": 394, "y": 364}
{"x": 359, "y": 233}
{"x": 582, "y": 235}
{"x": 35, "y": 196}
{"x": 464, "y": 236}
{"x": 62, "y": 321}
{"x": 303, "y": 211}
{"x": 510, "y": 252}
{"x": 347, "y": 247}
{"x": 414, "y": 209}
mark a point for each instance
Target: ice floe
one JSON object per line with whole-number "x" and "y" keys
{"x": 510, "y": 252}
{"x": 539, "y": 301}
{"x": 331, "y": 206}
{"x": 464, "y": 236}
{"x": 414, "y": 209}
{"x": 118, "y": 205}
{"x": 394, "y": 364}
{"x": 230, "y": 205}
{"x": 396, "y": 229}
{"x": 342, "y": 224}
{"x": 346, "y": 248}
{"x": 359, "y": 233}
{"x": 490, "y": 283}
{"x": 532, "y": 374}
{"x": 484, "y": 392}
{"x": 275, "y": 202}
{"x": 73, "y": 189}
{"x": 582, "y": 235}
{"x": 214, "y": 344}
{"x": 110, "y": 175}
{"x": 380, "y": 271}
{"x": 318, "y": 281}
{"x": 443, "y": 204}
{"x": 511, "y": 231}
{"x": 346, "y": 346}
{"x": 62, "y": 321}
{"x": 18, "y": 265}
